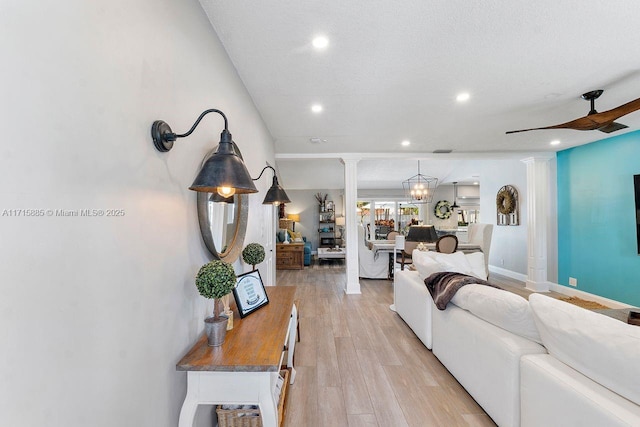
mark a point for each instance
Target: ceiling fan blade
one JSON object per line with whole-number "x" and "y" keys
{"x": 614, "y": 126}
{"x": 616, "y": 113}
{"x": 583, "y": 123}
{"x": 599, "y": 121}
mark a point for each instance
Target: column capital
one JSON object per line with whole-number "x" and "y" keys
{"x": 345, "y": 158}
{"x": 541, "y": 158}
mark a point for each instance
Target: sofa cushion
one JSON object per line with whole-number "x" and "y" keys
{"x": 478, "y": 266}
{"x": 428, "y": 262}
{"x": 425, "y": 265}
{"x": 498, "y": 307}
{"x": 601, "y": 348}
{"x": 456, "y": 261}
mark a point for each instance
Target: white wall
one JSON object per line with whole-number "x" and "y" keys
{"x": 509, "y": 243}
{"x": 443, "y": 192}
{"x": 96, "y": 311}
{"x": 304, "y": 203}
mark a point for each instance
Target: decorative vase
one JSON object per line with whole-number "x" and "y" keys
{"x": 227, "y": 311}
{"x": 229, "y": 315}
{"x": 216, "y": 330}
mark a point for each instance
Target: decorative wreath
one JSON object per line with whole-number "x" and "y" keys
{"x": 442, "y": 209}
{"x": 505, "y": 202}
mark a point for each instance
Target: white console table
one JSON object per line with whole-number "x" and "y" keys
{"x": 244, "y": 370}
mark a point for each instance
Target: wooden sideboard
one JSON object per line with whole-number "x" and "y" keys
{"x": 244, "y": 369}
{"x": 289, "y": 256}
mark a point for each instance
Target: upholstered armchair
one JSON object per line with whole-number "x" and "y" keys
{"x": 480, "y": 234}
{"x": 307, "y": 252}
{"x": 370, "y": 265}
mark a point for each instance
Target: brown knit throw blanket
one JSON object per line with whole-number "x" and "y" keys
{"x": 444, "y": 285}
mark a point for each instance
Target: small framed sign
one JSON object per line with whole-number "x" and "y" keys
{"x": 329, "y": 205}
{"x": 249, "y": 293}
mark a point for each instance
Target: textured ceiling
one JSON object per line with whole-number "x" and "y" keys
{"x": 393, "y": 69}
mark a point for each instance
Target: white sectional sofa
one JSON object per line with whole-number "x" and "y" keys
{"x": 414, "y": 304}
{"x": 512, "y": 356}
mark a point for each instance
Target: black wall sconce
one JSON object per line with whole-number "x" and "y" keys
{"x": 224, "y": 173}
{"x": 276, "y": 194}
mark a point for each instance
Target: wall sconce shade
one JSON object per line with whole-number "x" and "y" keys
{"x": 224, "y": 172}
{"x": 276, "y": 194}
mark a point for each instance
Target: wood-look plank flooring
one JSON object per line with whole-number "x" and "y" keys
{"x": 358, "y": 363}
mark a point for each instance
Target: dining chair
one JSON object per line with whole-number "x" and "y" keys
{"x": 405, "y": 258}
{"x": 447, "y": 244}
{"x": 392, "y": 235}
{"x": 382, "y": 231}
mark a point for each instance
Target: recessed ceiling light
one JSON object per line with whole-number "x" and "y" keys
{"x": 406, "y": 143}
{"x": 316, "y": 108}
{"x": 320, "y": 42}
{"x": 555, "y": 142}
{"x": 475, "y": 183}
{"x": 463, "y": 97}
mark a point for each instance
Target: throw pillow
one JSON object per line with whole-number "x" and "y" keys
{"x": 456, "y": 262}
{"x": 425, "y": 265}
{"x": 295, "y": 236}
{"x": 504, "y": 309}
{"x": 600, "y": 347}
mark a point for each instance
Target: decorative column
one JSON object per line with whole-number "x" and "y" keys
{"x": 351, "y": 218}
{"x": 537, "y": 224}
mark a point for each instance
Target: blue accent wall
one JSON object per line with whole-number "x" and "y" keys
{"x": 597, "y": 241}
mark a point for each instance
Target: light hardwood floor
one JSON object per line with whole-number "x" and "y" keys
{"x": 359, "y": 364}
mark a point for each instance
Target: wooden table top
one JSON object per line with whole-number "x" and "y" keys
{"x": 255, "y": 343}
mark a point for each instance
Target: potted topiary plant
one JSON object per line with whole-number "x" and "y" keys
{"x": 253, "y": 254}
{"x": 215, "y": 280}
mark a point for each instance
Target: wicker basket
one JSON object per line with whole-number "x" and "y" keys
{"x": 252, "y": 418}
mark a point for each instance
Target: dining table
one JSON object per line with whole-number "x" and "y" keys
{"x": 384, "y": 246}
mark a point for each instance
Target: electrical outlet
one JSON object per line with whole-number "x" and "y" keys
{"x": 573, "y": 281}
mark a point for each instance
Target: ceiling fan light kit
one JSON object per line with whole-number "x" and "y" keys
{"x": 604, "y": 122}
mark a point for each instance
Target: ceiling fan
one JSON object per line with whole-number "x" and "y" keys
{"x": 604, "y": 122}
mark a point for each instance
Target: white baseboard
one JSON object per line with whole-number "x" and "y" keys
{"x": 508, "y": 273}
{"x": 565, "y": 290}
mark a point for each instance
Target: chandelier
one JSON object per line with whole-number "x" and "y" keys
{"x": 420, "y": 188}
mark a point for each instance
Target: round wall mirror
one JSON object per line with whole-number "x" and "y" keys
{"x": 223, "y": 222}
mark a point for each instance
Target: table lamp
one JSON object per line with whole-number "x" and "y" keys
{"x": 295, "y": 218}
{"x": 422, "y": 233}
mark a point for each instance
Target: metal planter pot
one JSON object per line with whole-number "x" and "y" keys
{"x": 216, "y": 330}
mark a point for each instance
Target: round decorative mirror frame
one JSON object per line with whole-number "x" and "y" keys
{"x": 241, "y": 216}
